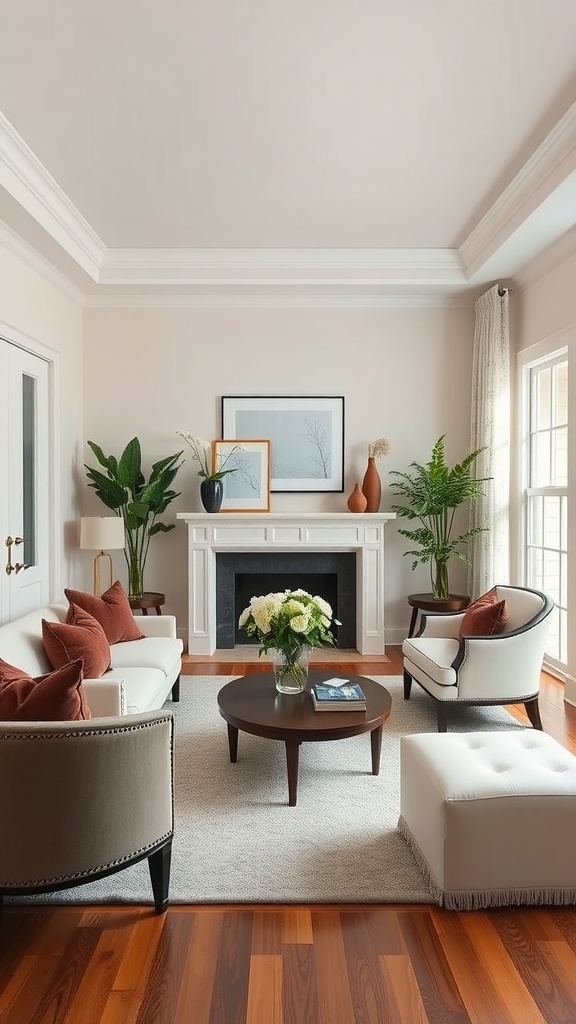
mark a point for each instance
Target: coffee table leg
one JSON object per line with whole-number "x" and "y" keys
{"x": 233, "y": 743}
{"x": 376, "y": 743}
{"x": 292, "y": 756}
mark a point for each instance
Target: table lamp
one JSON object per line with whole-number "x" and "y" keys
{"x": 98, "y": 533}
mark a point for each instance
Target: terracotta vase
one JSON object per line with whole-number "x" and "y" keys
{"x": 357, "y": 501}
{"x": 372, "y": 486}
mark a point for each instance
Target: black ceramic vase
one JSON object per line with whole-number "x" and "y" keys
{"x": 211, "y": 493}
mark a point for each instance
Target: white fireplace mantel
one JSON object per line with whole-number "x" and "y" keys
{"x": 285, "y": 531}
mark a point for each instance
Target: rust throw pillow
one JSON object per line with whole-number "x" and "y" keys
{"x": 81, "y": 636}
{"x": 485, "y": 616}
{"x": 112, "y": 611}
{"x": 55, "y": 697}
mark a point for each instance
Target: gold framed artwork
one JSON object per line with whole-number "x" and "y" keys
{"x": 246, "y": 464}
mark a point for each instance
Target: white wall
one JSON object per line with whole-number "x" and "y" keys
{"x": 39, "y": 316}
{"x": 405, "y": 375}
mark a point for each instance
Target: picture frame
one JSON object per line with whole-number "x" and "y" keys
{"x": 306, "y": 435}
{"x": 247, "y": 487}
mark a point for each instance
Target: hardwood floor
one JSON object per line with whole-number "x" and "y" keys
{"x": 404, "y": 964}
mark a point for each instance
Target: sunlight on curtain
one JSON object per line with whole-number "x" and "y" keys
{"x": 490, "y": 426}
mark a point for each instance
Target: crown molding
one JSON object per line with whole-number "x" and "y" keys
{"x": 269, "y": 267}
{"x": 271, "y": 300}
{"x": 543, "y": 172}
{"x": 562, "y": 249}
{"x": 31, "y": 257}
{"x": 28, "y": 181}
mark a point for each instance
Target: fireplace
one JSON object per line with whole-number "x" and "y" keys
{"x": 241, "y": 575}
{"x": 361, "y": 535}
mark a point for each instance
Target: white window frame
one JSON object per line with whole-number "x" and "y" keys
{"x": 548, "y": 353}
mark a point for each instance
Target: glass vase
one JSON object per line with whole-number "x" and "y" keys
{"x": 135, "y": 578}
{"x": 291, "y": 669}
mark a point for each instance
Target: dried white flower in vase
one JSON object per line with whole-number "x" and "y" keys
{"x": 378, "y": 448}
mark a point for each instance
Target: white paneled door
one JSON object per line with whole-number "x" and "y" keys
{"x": 24, "y": 481}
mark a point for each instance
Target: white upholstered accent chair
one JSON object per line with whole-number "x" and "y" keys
{"x": 81, "y": 800}
{"x": 500, "y": 669}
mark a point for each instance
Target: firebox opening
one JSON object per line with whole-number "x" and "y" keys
{"x": 239, "y": 577}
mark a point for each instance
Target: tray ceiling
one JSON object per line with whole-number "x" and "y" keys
{"x": 221, "y": 147}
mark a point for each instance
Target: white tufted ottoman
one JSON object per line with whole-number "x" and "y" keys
{"x": 490, "y": 816}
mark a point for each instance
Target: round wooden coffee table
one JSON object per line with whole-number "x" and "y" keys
{"x": 252, "y": 704}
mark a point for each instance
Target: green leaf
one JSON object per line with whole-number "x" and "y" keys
{"x": 129, "y": 471}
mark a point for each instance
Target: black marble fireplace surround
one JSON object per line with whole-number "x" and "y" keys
{"x": 240, "y": 576}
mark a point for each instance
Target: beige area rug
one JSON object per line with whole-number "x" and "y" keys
{"x": 236, "y": 839}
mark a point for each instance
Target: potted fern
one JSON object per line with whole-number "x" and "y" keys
{"x": 432, "y": 492}
{"x": 123, "y": 488}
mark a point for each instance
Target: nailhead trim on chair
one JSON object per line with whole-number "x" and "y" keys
{"x": 83, "y": 874}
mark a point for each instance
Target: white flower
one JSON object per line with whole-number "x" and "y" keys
{"x": 200, "y": 449}
{"x": 264, "y": 609}
{"x": 244, "y": 617}
{"x": 294, "y": 608}
{"x": 324, "y": 607}
{"x": 300, "y": 623}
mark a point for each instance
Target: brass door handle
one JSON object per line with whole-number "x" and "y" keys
{"x": 9, "y": 567}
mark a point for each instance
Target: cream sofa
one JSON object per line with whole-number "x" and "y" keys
{"x": 143, "y": 674}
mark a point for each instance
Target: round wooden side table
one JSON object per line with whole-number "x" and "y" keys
{"x": 148, "y": 600}
{"x": 429, "y": 603}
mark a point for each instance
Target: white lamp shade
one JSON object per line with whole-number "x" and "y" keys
{"x": 100, "y": 533}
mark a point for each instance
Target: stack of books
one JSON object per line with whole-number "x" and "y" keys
{"x": 338, "y": 695}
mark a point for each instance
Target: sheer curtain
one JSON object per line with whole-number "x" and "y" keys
{"x": 490, "y": 426}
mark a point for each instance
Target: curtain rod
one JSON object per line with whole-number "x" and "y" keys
{"x": 502, "y": 291}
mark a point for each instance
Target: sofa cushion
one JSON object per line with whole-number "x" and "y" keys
{"x": 56, "y": 696}
{"x": 434, "y": 656}
{"x": 81, "y": 636}
{"x": 112, "y": 611}
{"x": 144, "y": 688}
{"x": 485, "y": 616}
{"x": 163, "y": 653}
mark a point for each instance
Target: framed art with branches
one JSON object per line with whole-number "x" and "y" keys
{"x": 306, "y": 435}
{"x": 247, "y": 480}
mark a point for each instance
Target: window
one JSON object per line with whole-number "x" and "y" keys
{"x": 546, "y": 495}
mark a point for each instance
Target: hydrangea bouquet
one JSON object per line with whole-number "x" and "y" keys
{"x": 290, "y": 623}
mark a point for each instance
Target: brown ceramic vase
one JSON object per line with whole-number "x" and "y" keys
{"x": 372, "y": 486}
{"x": 357, "y": 500}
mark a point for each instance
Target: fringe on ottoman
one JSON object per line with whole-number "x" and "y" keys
{"x": 482, "y": 899}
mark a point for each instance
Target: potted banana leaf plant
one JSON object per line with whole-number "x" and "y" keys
{"x": 123, "y": 487}
{"x": 432, "y": 492}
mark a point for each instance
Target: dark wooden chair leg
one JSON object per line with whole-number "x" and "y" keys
{"x": 533, "y": 712}
{"x": 159, "y": 865}
{"x": 176, "y": 690}
{"x": 442, "y": 712}
{"x": 407, "y": 685}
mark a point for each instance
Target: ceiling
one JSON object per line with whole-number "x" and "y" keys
{"x": 355, "y": 151}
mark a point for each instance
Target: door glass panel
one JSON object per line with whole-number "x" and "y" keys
{"x": 28, "y": 553}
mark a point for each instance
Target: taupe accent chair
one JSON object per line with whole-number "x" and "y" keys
{"x": 81, "y": 800}
{"x": 500, "y": 669}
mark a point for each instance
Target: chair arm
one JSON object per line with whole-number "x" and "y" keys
{"x": 82, "y": 797}
{"x": 445, "y": 624}
{"x": 106, "y": 697}
{"x": 157, "y": 625}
